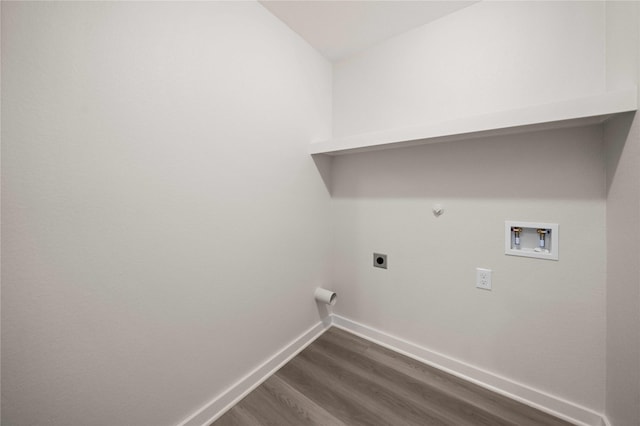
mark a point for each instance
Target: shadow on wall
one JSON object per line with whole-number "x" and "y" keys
{"x": 616, "y": 137}
{"x": 324, "y": 165}
{"x": 551, "y": 164}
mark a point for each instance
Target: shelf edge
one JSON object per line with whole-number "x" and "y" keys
{"x": 570, "y": 113}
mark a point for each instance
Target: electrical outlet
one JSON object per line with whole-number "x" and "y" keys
{"x": 483, "y": 278}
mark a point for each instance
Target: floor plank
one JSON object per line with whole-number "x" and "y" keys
{"x": 238, "y": 416}
{"x": 293, "y": 399}
{"x": 333, "y": 395}
{"x": 424, "y": 397}
{"x": 341, "y": 379}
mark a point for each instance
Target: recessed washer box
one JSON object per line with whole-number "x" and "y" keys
{"x": 531, "y": 239}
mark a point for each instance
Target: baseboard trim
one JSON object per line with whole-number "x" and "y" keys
{"x": 535, "y": 398}
{"x": 232, "y": 395}
{"x": 551, "y": 404}
{"x": 605, "y": 421}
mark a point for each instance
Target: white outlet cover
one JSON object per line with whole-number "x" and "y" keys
{"x": 483, "y": 278}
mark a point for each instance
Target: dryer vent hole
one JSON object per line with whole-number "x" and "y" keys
{"x": 380, "y": 260}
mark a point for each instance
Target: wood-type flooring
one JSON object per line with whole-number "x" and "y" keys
{"x": 341, "y": 379}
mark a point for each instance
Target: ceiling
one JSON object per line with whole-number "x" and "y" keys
{"x": 338, "y": 29}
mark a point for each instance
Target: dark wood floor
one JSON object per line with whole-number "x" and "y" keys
{"x": 341, "y": 379}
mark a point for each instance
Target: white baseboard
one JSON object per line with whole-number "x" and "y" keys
{"x": 232, "y": 395}
{"x": 543, "y": 401}
{"x": 558, "y": 407}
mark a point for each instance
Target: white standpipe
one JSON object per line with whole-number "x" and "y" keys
{"x": 327, "y": 297}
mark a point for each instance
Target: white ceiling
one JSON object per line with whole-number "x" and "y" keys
{"x": 338, "y": 29}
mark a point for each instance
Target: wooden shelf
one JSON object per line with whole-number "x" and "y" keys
{"x": 571, "y": 113}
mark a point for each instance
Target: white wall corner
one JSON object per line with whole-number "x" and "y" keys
{"x": 540, "y": 400}
{"x": 219, "y": 405}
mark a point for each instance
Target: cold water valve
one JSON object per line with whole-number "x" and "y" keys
{"x": 542, "y": 233}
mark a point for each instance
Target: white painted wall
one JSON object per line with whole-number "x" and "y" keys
{"x": 531, "y": 327}
{"x": 544, "y": 323}
{"x": 0, "y": 219}
{"x": 163, "y": 226}
{"x": 622, "y": 139}
{"x": 159, "y": 208}
{"x": 490, "y": 56}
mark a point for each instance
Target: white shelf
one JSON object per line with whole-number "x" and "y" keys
{"x": 571, "y": 113}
